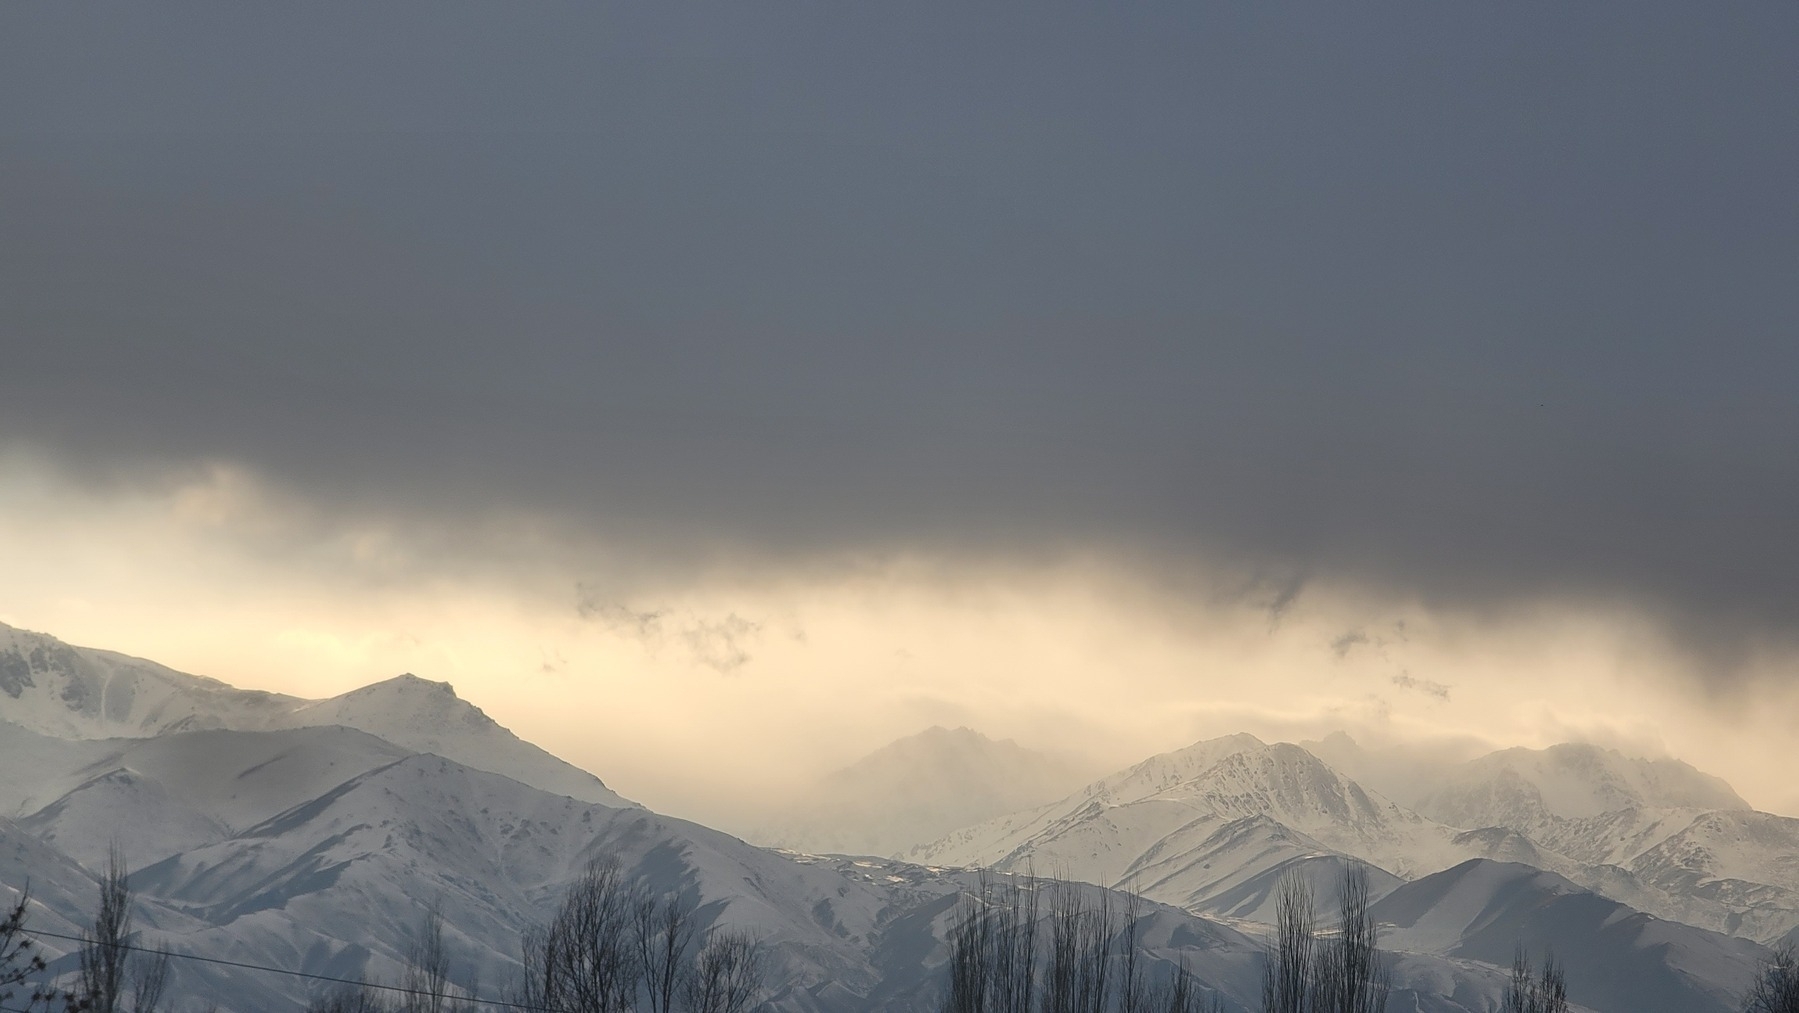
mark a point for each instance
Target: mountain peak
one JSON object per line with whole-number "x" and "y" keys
{"x": 1165, "y": 770}
{"x": 76, "y": 693}
{"x": 961, "y": 734}
{"x": 1522, "y": 787}
{"x": 408, "y": 683}
{"x": 958, "y": 732}
{"x": 80, "y": 693}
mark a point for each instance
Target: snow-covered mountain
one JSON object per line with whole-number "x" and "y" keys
{"x": 77, "y": 693}
{"x": 67, "y": 692}
{"x": 1212, "y": 826}
{"x": 336, "y": 886}
{"x": 1657, "y": 834}
{"x": 1616, "y": 958}
{"x": 179, "y": 792}
{"x": 1194, "y": 827}
{"x": 311, "y": 835}
{"x": 917, "y": 789}
{"x": 270, "y": 830}
{"x": 1527, "y": 789}
{"x": 428, "y": 717}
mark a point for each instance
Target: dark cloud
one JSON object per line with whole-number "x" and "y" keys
{"x": 1346, "y": 642}
{"x": 1429, "y": 687}
{"x": 721, "y": 644}
{"x": 1475, "y": 304}
{"x": 618, "y": 618}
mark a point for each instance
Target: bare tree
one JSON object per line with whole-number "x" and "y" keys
{"x": 1077, "y": 975}
{"x": 1061, "y": 968}
{"x": 1015, "y": 912}
{"x": 536, "y": 986}
{"x": 1776, "y": 986}
{"x": 1176, "y": 995}
{"x": 1131, "y": 989}
{"x": 1181, "y": 994}
{"x": 726, "y": 976}
{"x": 1527, "y": 994}
{"x": 971, "y": 964}
{"x": 350, "y": 999}
{"x": 110, "y": 978}
{"x": 427, "y": 975}
{"x": 1340, "y": 971}
{"x": 19, "y": 959}
{"x": 1093, "y": 980}
{"x": 585, "y": 960}
{"x": 1287, "y": 971}
{"x": 149, "y": 980}
{"x": 104, "y": 950}
{"x": 993, "y": 947}
{"x": 1352, "y": 977}
{"x": 1092, "y": 959}
{"x": 470, "y": 1003}
{"x": 665, "y": 930}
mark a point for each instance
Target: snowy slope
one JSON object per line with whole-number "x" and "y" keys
{"x": 342, "y": 878}
{"x": 1746, "y": 861}
{"x": 337, "y": 885}
{"x": 1526, "y": 788}
{"x": 1250, "y": 895}
{"x": 1005, "y": 838}
{"x": 1207, "y": 827}
{"x": 1192, "y": 827}
{"x": 65, "y": 693}
{"x": 35, "y": 769}
{"x": 49, "y": 687}
{"x": 271, "y": 831}
{"x": 917, "y": 789}
{"x": 1656, "y": 834}
{"x": 60, "y": 888}
{"x": 428, "y": 717}
{"x": 121, "y": 809}
{"x": 178, "y": 792}
{"x": 1617, "y": 959}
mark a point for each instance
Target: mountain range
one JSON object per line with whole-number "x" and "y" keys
{"x": 311, "y": 835}
{"x": 1199, "y": 826}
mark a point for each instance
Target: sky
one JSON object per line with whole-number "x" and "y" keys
{"x": 714, "y": 392}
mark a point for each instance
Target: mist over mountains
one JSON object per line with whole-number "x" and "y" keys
{"x": 309, "y": 835}
{"x": 916, "y": 789}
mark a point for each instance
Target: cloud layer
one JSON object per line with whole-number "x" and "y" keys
{"x": 1474, "y": 307}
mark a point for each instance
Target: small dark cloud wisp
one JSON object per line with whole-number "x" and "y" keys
{"x": 1407, "y": 681}
{"x": 721, "y": 643}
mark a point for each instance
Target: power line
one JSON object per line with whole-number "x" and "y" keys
{"x": 501, "y": 1003}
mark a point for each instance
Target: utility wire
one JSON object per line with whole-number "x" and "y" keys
{"x": 297, "y": 974}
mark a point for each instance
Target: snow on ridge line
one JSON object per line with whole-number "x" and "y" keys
{"x": 78, "y": 693}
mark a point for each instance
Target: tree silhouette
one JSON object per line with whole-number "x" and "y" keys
{"x": 111, "y": 979}
{"x": 19, "y": 959}
{"x": 1776, "y": 987}
{"x": 1339, "y": 971}
{"x": 1545, "y": 994}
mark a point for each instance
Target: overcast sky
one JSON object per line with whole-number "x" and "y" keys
{"x": 758, "y": 345}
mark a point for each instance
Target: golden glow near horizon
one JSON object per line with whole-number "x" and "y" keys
{"x": 708, "y": 694}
